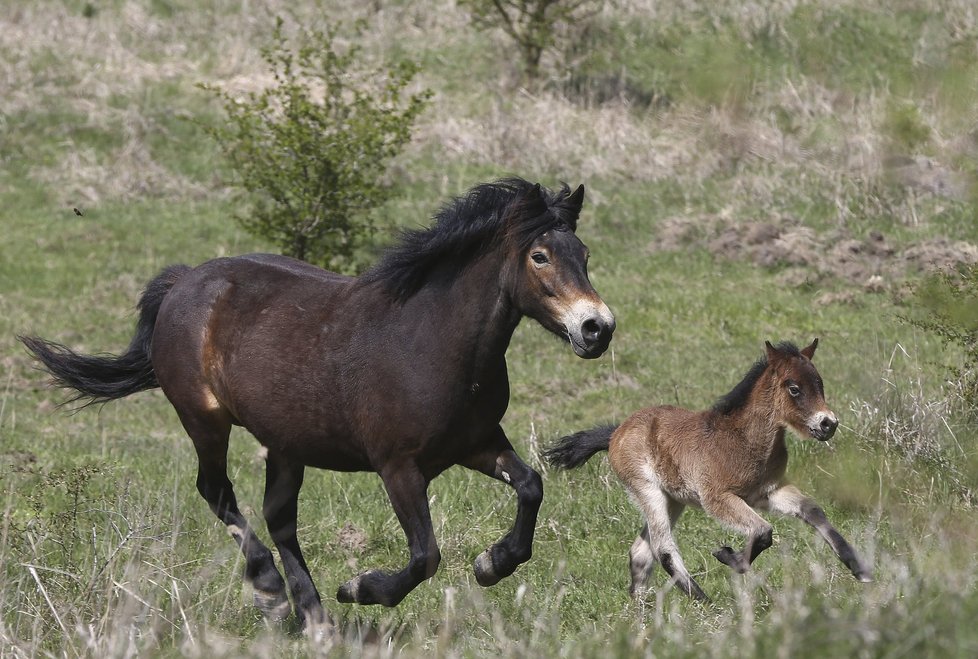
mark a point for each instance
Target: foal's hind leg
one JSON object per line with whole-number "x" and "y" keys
{"x": 788, "y": 500}
{"x": 209, "y": 433}
{"x": 656, "y": 542}
{"x": 407, "y": 489}
{"x": 515, "y": 548}
{"x": 283, "y": 479}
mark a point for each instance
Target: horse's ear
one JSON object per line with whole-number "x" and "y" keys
{"x": 534, "y": 202}
{"x": 772, "y": 352}
{"x": 810, "y": 350}
{"x": 576, "y": 200}
{"x": 568, "y": 209}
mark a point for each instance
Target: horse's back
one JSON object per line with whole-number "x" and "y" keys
{"x": 243, "y": 289}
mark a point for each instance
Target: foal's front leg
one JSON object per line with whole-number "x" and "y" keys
{"x": 732, "y": 511}
{"x": 407, "y": 489}
{"x": 516, "y": 547}
{"x": 788, "y": 500}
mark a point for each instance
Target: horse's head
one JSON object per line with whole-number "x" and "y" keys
{"x": 551, "y": 283}
{"x": 799, "y": 395}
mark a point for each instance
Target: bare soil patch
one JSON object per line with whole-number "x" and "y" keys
{"x": 873, "y": 263}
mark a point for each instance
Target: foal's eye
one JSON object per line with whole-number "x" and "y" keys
{"x": 794, "y": 390}
{"x": 539, "y": 258}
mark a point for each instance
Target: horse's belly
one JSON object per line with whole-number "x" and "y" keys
{"x": 327, "y": 451}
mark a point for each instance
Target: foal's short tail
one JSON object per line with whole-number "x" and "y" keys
{"x": 574, "y": 450}
{"x": 101, "y": 378}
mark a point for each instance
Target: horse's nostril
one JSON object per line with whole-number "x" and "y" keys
{"x": 828, "y": 424}
{"x": 591, "y": 330}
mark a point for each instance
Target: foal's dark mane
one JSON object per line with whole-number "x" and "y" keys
{"x": 738, "y": 396}
{"x": 470, "y": 225}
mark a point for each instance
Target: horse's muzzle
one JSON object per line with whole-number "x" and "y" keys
{"x": 823, "y": 426}
{"x": 595, "y": 333}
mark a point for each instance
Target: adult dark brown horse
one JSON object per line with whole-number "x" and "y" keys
{"x": 401, "y": 371}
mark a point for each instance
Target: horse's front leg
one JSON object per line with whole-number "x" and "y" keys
{"x": 407, "y": 489}
{"x": 733, "y": 512}
{"x": 788, "y": 500}
{"x": 501, "y": 462}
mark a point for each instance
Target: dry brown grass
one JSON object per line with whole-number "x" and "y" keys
{"x": 56, "y": 57}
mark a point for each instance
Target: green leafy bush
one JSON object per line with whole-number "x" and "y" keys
{"x": 312, "y": 148}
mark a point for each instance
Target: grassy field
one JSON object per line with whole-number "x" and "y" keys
{"x": 755, "y": 171}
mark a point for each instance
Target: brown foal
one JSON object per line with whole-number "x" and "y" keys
{"x": 728, "y": 460}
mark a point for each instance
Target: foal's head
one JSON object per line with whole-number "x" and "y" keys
{"x": 550, "y": 282}
{"x": 798, "y": 394}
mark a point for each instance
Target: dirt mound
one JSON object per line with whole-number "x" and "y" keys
{"x": 804, "y": 255}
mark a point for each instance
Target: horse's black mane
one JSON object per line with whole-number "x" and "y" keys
{"x": 472, "y": 224}
{"x": 738, "y": 396}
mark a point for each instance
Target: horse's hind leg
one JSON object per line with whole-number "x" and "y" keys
{"x": 210, "y": 434}
{"x": 515, "y": 548}
{"x": 788, "y": 500}
{"x": 656, "y": 542}
{"x": 283, "y": 479}
{"x": 407, "y": 489}
{"x": 641, "y": 561}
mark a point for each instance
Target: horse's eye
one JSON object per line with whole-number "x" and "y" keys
{"x": 539, "y": 258}
{"x": 794, "y": 390}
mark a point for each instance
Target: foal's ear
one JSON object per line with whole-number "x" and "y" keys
{"x": 772, "y": 352}
{"x": 810, "y": 350}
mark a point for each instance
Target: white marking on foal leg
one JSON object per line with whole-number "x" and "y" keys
{"x": 789, "y": 500}
{"x": 660, "y": 511}
{"x": 641, "y": 560}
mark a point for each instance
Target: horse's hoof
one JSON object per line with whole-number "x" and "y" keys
{"x": 319, "y": 631}
{"x": 864, "y": 577}
{"x": 485, "y": 571}
{"x": 348, "y": 592}
{"x": 273, "y": 605}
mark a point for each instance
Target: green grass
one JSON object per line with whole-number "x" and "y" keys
{"x": 107, "y": 549}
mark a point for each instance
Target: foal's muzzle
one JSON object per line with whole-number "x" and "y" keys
{"x": 823, "y": 425}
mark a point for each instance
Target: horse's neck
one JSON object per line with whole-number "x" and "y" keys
{"x": 472, "y": 313}
{"x": 757, "y": 423}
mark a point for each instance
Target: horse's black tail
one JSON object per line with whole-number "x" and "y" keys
{"x": 104, "y": 377}
{"x": 574, "y": 450}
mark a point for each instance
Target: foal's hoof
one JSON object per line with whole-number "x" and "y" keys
{"x": 864, "y": 577}
{"x": 485, "y": 571}
{"x": 273, "y": 605}
{"x": 729, "y": 557}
